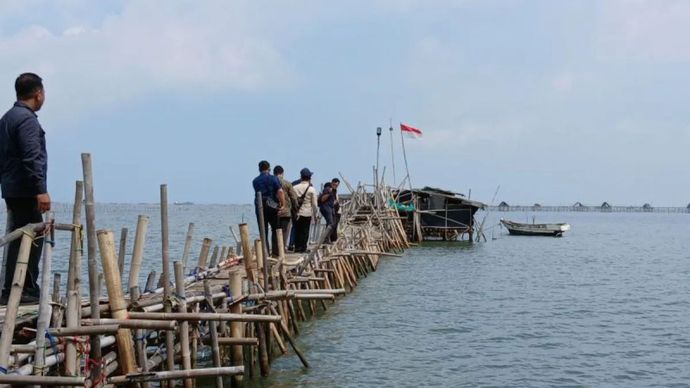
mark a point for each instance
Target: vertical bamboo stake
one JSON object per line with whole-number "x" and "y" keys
{"x": 165, "y": 277}
{"x": 13, "y": 301}
{"x": 44, "y": 310}
{"x": 249, "y": 263}
{"x": 213, "y": 329}
{"x": 184, "y": 325}
{"x": 56, "y": 317}
{"x": 138, "y": 252}
{"x": 223, "y": 251}
{"x": 203, "y": 255}
{"x": 90, "y": 208}
{"x": 258, "y": 254}
{"x": 139, "y": 339}
{"x": 74, "y": 281}
{"x": 150, "y": 281}
{"x": 187, "y": 244}
{"x": 118, "y": 306}
{"x": 122, "y": 252}
{"x": 263, "y": 234}
{"x": 214, "y": 257}
{"x": 236, "y": 327}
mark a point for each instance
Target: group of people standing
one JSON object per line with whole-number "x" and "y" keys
{"x": 291, "y": 207}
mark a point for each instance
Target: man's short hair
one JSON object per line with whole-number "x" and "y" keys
{"x": 277, "y": 170}
{"x": 27, "y": 85}
{"x": 335, "y": 180}
{"x": 264, "y": 165}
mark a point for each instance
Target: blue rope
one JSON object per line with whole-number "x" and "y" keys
{"x": 53, "y": 343}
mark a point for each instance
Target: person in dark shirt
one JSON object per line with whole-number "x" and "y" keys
{"x": 327, "y": 207}
{"x": 273, "y": 199}
{"x": 23, "y": 177}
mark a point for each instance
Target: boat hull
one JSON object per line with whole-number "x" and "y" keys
{"x": 551, "y": 230}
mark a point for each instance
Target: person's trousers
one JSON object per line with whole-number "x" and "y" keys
{"x": 23, "y": 211}
{"x": 284, "y": 225}
{"x": 334, "y": 231}
{"x": 302, "y": 233}
{"x": 329, "y": 216}
{"x": 270, "y": 219}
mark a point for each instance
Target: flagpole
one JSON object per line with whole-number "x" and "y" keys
{"x": 407, "y": 169}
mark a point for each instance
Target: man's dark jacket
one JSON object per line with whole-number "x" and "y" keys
{"x": 23, "y": 155}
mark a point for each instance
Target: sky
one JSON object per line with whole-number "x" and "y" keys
{"x": 553, "y": 101}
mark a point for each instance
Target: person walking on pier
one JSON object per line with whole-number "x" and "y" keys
{"x": 306, "y": 205}
{"x": 327, "y": 201}
{"x": 273, "y": 198}
{"x": 23, "y": 177}
{"x": 285, "y": 213}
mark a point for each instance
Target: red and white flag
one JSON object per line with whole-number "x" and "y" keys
{"x": 410, "y": 132}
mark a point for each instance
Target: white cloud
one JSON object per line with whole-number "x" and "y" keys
{"x": 147, "y": 46}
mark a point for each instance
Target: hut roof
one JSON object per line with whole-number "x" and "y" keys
{"x": 503, "y": 204}
{"x": 537, "y": 205}
{"x": 646, "y": 206}
{"x": 605, "y": 205}
{"x": 578, "y": 204}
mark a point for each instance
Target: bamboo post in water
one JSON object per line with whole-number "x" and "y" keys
{"x": 236, "y": 327}
{"x": 203, "y": 255}
{"x": 150, "y": 281}
{"x": 44, "y": 309}
{"x": 140, "y": 338}
{"x": 118, "y": 306}
{"x": 138, "y": 252}
{"x": 187, "y": 244}
{"x": 214, "y": 257}
{"x": 74, "y": 281}
{"x": 122, "y": 252}
{"x": 249, "y": 263}
{"x": 90, "y": 208}
{"x": 165, "y": 277}
{"x": 213, "y": 330}
{"x": 184, "y": 325}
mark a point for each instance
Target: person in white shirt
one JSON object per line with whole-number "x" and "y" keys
{"x": 306, "y": 200}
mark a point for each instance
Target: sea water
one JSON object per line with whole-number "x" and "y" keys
{"x": 607, "y": 305}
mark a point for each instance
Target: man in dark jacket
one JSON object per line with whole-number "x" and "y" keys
{"x": 23, "y": 173}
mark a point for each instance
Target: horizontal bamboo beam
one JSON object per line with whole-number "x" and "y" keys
{"x": 175, "y": 375}
{"x": 42, "y": 380}
{"x": 131, "y": 323}
{"x": 84, "y": 330}
{"x": 205, "y": 317}
{"x": 228, "y": 341}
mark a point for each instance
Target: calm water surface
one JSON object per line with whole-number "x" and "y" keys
{"x": 604, "y": 306}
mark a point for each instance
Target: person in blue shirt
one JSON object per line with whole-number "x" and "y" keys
{"x": 328, "y": 206}
{"x": 23, "y": 177}
{"x": 273, "y": 199}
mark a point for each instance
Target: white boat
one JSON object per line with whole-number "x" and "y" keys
{"x": 520, "y": 229}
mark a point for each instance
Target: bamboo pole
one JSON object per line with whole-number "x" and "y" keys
{"x": 203, "y": 255}
{"x": 204, "y": 317}
{"x": 213, "y": 332}
{"x": 122, "y": 252}
{"x": 83, "y": 330}
{"x": 187, "y": 244}
{"x": 118, "y": 306}
{"x": 14, "y": 298}
{"x": 236, "y": 327}
{"x": 214, "y": 257}
{"x": 74, "y": 281}
{"x": 94, "y": 295}
{"x": 138, "y": 251}
{"x": 165, "y": 276}
{"x": 177, "y": 374}
{"x": 44, "y": 308}
{"x": 184, "y": 325}
{"x": 263, "y": 233}
{"x": 249, "y": 262}
{"x": 132, "y": 323}
{"x": 140, "y": 339}
{"x": 150, "y": 281}
{"x": 17, "y": 380}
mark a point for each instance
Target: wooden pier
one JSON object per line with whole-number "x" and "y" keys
{"x": 246, "y": 306}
